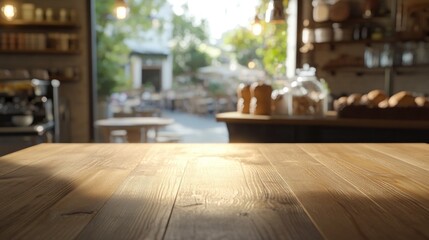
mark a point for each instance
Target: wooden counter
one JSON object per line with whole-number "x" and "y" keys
{"x": 272, "y": 129}
{"x": 213, "y": 191}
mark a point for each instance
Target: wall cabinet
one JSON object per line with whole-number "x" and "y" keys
{"x": 389, "y": 41}
{"x": 56, "y": 38}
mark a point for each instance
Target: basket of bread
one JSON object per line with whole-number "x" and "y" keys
{"x": 377, "y": 105}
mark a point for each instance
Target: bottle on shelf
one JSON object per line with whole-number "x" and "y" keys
{"x": 386, "y": 56}
{"x": 372, "y": 57}
{"x": 320, "y": 11}
{"x": 422, "y": 53}
{"x": 408, "y": 54}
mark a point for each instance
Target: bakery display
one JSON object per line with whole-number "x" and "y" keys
{"x": 376, "y": 104}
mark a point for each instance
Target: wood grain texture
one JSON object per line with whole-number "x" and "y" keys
{"x": 396, "y": 195}
{"x": 234, "y": 193}
{"x": 142, "y": 205}
{"x": 215, "y": 191}
{"x": 338, "y": 208}
{"x": 414, "y": 154}
{"x": 34, "y": 189}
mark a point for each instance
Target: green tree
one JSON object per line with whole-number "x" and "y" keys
{"x": 245, "y": 44}
{"x": 188, "y": 36}
{"x": 110, "y": 49}
{"x": 268, "y": 48}
{"x": 112, "y": 52}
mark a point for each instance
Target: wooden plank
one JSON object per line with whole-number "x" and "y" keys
{"x": 16, "y": 214}
{"x": 414, "y": 154}
{"x": 66, "y": 218}
{"x": 141, "y": 206}
{"x": 33, "y": 189}
{"x": 398, "y": 197}
{"x": 17, "y": 182}
{"x": 400, "y": 165}
{"x": 339, "y": 209}
{"x": 232, "y": 192}
{"x": 406, "y": 182}
{"x": 15, "y": 160}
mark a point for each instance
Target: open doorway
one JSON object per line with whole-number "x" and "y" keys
{"x": 152, "y": 77}
{"x": 184, "y": 39}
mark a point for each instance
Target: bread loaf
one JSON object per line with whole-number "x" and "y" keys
{"x": 375, "y": 97}
{"x": 354, "y": 99}
{"x": 243, "y": 102}
{"x": 402, "y": 99}
{"x": 422, "y": 101}
{"x": 383, "y": 104}
{"x": 260, "y": 103}
{"x": 340, "y": 103}
{"x": 364, "y": 100}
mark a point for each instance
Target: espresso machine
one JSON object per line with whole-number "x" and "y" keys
{"x": 29, "y": 113}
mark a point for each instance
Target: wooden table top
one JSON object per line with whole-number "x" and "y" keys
{"x": 330, "y": 119}
{"x": 215, "y": 191}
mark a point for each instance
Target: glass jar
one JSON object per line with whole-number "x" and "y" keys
{"x": 341, "y": 33}
{"x": 422, "y": 53}
{"x": 280, "y": 104}
{"x": 372, "y": 57}
{"x": 322, "y": 35}
{"x": 320, "y": 11}
{"x": 307, "y": 95}
{"x": 386, "y": 56}
{"x": 408, "y": 54}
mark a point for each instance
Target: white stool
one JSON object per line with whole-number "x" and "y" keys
{"x": 167, "y": 137}
{"x": 118, "y": 136}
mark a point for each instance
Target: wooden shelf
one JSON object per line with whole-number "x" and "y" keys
{"x": 46, "y": 51}
{"x": 352, "y": 21}
{"x": 361, "y": 70}
{"x": 369, "y": 41}
{"x": 52, "y": 24}
{"x": 40, "y": 82}
{"x": 66, "y": 79}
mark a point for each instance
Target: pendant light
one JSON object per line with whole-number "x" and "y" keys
{"x": 275, "y": 12}
{"x": 120, "y": 9}
{"x": 256, "y": 26}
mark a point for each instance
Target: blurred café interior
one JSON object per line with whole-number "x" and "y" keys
{"x": 362, "y": 75}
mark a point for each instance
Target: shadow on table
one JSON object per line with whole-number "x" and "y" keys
{"x": 57, "y": 202}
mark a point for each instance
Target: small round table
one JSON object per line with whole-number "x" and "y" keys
{"x": 136, "y": 127}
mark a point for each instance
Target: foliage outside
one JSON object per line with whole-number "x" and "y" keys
{"x": 112, "y": 53}
{"x": 188, "y": 37}
{"x": 268, "y": 49}
{"x": 188, "y": 43}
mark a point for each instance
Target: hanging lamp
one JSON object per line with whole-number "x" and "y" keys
{"x": 256, "y": 26}
{"x": 275, "y": 12}
{"x": 120, "y": 9}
